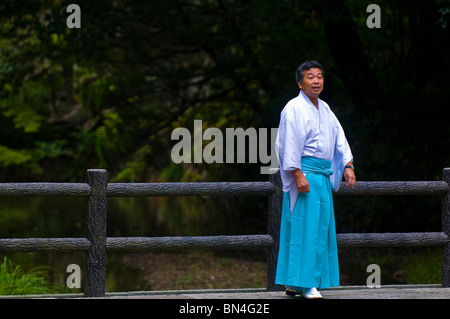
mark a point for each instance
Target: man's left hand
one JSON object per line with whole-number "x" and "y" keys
{"x": 350, "y": 177}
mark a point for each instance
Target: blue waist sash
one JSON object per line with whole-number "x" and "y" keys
{"x": 312, "y": 165}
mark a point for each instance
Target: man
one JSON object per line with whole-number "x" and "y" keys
{"x": 313, "y": 154}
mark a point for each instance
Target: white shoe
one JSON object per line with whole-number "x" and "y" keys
{"x": 312, "y": 293}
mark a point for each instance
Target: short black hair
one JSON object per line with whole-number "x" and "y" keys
{"x": 306, "y": 66}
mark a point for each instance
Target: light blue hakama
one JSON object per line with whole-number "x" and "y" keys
{"x": 308, "y": 254}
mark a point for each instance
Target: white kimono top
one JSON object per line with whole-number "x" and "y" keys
{"x": 305, "y": 130}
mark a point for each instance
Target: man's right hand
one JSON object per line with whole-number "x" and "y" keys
{"x": 301, "y": 181}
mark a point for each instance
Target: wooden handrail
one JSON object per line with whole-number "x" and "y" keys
{"x": 96, "y": 244}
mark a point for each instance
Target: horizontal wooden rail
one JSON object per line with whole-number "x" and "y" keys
{"x": 394, "y": 188}
{"x": 217, "y": 242}
{"x": 140, "y": 243}
{"x": 186, "y": 242}
{"x": 43, "y": 244}
{"x": 212, "y": 189}
{"x": 392, "y": 239}
{"x": 44, "y": 189}
{"x": 189, "y": 189}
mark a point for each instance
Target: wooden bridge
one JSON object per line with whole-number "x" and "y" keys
{"x": 96, "y": 244}
{"x": 432, "y": 291}
{"x": 345, "y": 292}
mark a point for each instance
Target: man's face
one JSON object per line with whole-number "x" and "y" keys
{"x": 312, "y": 84}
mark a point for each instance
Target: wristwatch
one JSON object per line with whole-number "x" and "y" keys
{"x": 350, "y": 166}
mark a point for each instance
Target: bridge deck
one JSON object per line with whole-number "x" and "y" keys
{"x": 350, "y": 292}
{"x": 344, "y": 292}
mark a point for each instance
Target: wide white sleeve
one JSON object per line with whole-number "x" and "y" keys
{"x": 342, "y": 155}
{"x": 289, "y": 145}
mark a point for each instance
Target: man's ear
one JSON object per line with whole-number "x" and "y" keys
{"x": 299, "y": 85}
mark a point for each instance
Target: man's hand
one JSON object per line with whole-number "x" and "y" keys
{"x": 302, "y": 182}
{"x": 349, "y": 176}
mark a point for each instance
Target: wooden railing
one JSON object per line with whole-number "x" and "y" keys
{"x": 96, "y": 244}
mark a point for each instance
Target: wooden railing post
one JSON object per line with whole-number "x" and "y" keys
{"x": 95, "y": 272}
{"x": 274, "y": 222}
{"x": 446, "y": 230}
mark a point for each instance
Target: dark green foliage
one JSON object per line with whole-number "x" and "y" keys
{"x": 108, "y": 95}
{"x": 15, "y": 281}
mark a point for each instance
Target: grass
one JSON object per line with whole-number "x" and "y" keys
{"x": 15, "y": 281}
{"x": 424, "y": 269}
